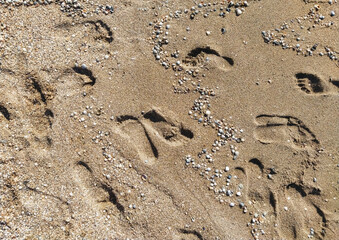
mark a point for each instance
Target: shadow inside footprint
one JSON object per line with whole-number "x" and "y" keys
{"x": 73, "y": 80}
{"x": 99, "y": 193}
{"x": 207, "y": 56}
{"x": 86, "y": 72}
{"x": 335, "y": 83}
{"x": 192, "y": 234}
{"x": 171, "y": 131}
{"x": 286, "y": 130}
{"x": 309, "y": 83}
{"x": 5, "y": 112}
{"x": 93, "y": 30}
{"x": 299, "y": 215}
{"x": 134, "y": 131}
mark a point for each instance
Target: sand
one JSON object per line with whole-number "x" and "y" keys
{"x": 225, "y": 127}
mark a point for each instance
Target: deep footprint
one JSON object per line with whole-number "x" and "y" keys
{"x": 309, "y": 83}
{"x": 285, "y": 130}
{"x": 312, "y": 84}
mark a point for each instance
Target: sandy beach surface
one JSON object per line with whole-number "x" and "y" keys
{"x": 169, "y": 119}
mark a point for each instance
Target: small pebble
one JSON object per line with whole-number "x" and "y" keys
{"x": 238, "y": 12}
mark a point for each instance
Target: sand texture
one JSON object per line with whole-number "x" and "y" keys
{"x": 140, "y": 119}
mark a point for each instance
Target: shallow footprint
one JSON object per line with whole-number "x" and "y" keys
{"x": 298, "y": 215}
{"x": 90, "y": 31}
{"x": 286, "y": 130}
{"x": 168, "y": 130}
{"x": 96, "y": 193}
{"x": 131, "y": 129}
{"x": 257, "y": 194}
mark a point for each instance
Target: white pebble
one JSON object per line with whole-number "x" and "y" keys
{"x": 238, "y": 11}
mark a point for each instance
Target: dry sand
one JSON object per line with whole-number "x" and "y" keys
{"x": 152, "y": 122}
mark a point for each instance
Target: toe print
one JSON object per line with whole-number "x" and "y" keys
{"x": 209, "y": 58}
{"x": 309, "y": 83}
{"x": 313, "y": 84}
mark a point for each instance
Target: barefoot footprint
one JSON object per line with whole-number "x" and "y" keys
{"x": 299, "y": 218}
{"x": 146, "y": 132}
{"x": 25, "y": 102}
{"x": 97, "y": 193}
{"x": 285, "y": 130}
{"x": 312, "y": 84}
{"x": 90, "y": 30}
{"x": 257, "y": 195}
{"x": 208, "y": 58}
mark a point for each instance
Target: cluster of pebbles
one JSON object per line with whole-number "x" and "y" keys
{"x": 190, "y": 74}
{"x": 71, "y": 7}
{"x": 190, "y": 80}
{"x": 296, "y": 34}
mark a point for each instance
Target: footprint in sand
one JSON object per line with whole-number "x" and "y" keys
{"x": 206, "y": 57}
{"x": 268, "y": 199}
{"x": 73, "y": 80}
{"x": 312, "y": 84}
{"x": 291, "y": 208}
{"x": 256, "y": 186}
{"x": 97, "y": 193}
{"x": 285, "y": 130}
{"x": 258, "y": 194}
{"x": 25, "y": 102}
{"x": 297, "y": 214}
{"x": 134, "y": 131}
{"x": 147, "y": 132}
{"x": 90, "y": 31}
{"x": 189, "y": 235}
